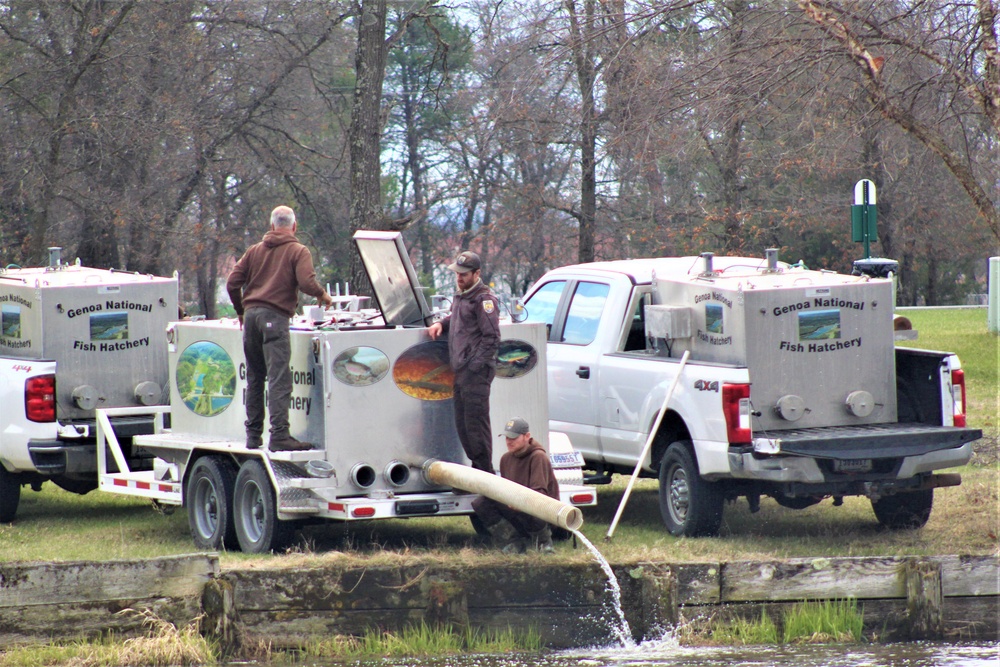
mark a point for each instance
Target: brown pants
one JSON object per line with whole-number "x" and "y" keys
{"x": 472, "y": 416}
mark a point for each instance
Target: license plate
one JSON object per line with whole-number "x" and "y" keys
{"x": 852, "y": 465}
{"x": 572, "y": 459}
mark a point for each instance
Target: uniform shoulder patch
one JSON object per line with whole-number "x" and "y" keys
{"x": 488, "y": 306}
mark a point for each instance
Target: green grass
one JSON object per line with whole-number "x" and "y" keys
{"x": 163, "y": 644}
{"x": 421, "y": 641}
{"x": 804, "y": 622}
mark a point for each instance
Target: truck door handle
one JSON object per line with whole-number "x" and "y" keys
{"x": 583, "y": 372}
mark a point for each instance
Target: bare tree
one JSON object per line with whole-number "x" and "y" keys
{"x": 930, "y": 69}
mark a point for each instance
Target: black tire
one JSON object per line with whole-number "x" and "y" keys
{"x": 255, "y": 510}
{"x": 208, "y": 497}
{"x": 689, "y": 505}
{"x": 10, "y": 495}
{"x": 903, "y": 511}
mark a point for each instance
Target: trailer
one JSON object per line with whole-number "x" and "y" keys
{"x": 371, "y": 390}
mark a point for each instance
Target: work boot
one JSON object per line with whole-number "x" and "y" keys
{"x": 505, "y": 537}
{"x": 254, "y": 442}
{"x": 541, "y": 541}
{"x": 289, "y": 444}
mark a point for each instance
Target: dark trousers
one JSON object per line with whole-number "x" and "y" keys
{"x": 267, "y": 348}
{"x": 490, "y": 511}
{"x": 472, "y": 416}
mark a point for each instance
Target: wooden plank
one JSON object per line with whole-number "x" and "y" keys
{"x": 812, "y": 578}
{"x": 861, "y": 578}
{"x": 388, "y": 588}
{"x": 969, "y": 575}
{"x": 698, "y": 583}
{"x": 27, "y": 584}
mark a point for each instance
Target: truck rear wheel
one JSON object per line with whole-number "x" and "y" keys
{"x": 689, "y": 505}
{"x": 208, "y": 497}
{"x": 904, "y": 510}
{"x": 10, "y": 495}
{"x": 255, "y": 509}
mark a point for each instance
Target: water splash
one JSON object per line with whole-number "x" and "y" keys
{"x": 623, "y": 631}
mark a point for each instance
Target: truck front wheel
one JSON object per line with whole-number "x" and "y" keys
{"x": 10, "y": 495}
{"x": 904, "y": 510}
{"x": 255, "y": 509}
{"x": 689, "y": 505}
{"x": 209, "y": 500}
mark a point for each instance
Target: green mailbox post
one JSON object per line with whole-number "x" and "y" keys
{"x": 863, "y": 215}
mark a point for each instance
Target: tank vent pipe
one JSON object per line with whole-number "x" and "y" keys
{"x": 707, "y": 258}
{"x": 772, "y": 259}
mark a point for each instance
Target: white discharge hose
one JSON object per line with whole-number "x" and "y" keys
{"x": 515, "y": 496}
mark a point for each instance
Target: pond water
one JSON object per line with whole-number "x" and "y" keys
{"x": 667, "y": 653}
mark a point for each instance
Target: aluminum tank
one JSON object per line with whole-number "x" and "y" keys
{"x": 105, "y": 330}
{"x": 373, "y": 399}
{"x": 818, "y": 345}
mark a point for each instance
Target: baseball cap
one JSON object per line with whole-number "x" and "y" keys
{"x": 515, "y": 427}
{"x": 465, "y": 262}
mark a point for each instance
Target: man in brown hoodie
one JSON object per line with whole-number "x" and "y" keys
{"x": 527, "y": 463}
{"x": 264, "y": 287}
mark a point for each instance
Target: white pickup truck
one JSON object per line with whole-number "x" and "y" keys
{"x": 790, "y": 386}
{"x": 74, "y": 339}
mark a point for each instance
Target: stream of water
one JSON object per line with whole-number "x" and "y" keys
{"x": 622, "y": 631}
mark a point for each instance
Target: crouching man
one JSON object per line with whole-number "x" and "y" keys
{"x": 526, "y": 463}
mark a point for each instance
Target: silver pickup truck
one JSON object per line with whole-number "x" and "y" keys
{"x": 790, "y": 386}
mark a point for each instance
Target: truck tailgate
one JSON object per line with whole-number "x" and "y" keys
{"x": 872, "y": 440}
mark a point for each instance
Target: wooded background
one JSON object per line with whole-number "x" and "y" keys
{"x": 157, "y": 136}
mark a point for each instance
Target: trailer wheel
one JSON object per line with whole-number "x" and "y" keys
{"x": 208, "y": 497}
{"x": 258, "y": 528}
{"x": 10, "y": 495}
{"x": 689, "y": 505}
{"x": 904, "y": 510}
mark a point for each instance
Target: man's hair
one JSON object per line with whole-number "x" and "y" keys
{"x": 283, "y": 217}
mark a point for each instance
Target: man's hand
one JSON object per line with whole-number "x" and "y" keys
{"x": 240, "y": 317}
{"x": 434, "y": 330}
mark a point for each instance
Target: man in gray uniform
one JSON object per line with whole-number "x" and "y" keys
{"x": 473, "y": 329}
{"x": 264, "y": 287}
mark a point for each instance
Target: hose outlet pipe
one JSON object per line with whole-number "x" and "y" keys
{"x": 512, "y": 494}
{"x": 396, "y": 473}
{"x": 363, "y": 475}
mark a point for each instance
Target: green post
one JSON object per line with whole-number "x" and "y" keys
{"x": 864, "y": 215}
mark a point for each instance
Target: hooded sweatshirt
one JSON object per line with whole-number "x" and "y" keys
{"x": 271, "y": 273}
{"x": 532, "y": 468}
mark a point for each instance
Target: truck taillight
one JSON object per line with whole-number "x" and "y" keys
{"x": 40, "y": 398}
{"x": 958, "y": 397}
{"x": 736, "y": 407}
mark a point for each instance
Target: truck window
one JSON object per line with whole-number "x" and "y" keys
{"x": 585, "y": 313}
{"x": 542, "y": 305}
{"x": 635, "y": 336}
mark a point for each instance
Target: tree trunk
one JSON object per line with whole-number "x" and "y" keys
{"x": 366, "y": 127}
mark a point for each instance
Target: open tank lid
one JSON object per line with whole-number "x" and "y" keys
{"x": 392, "y": 278}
